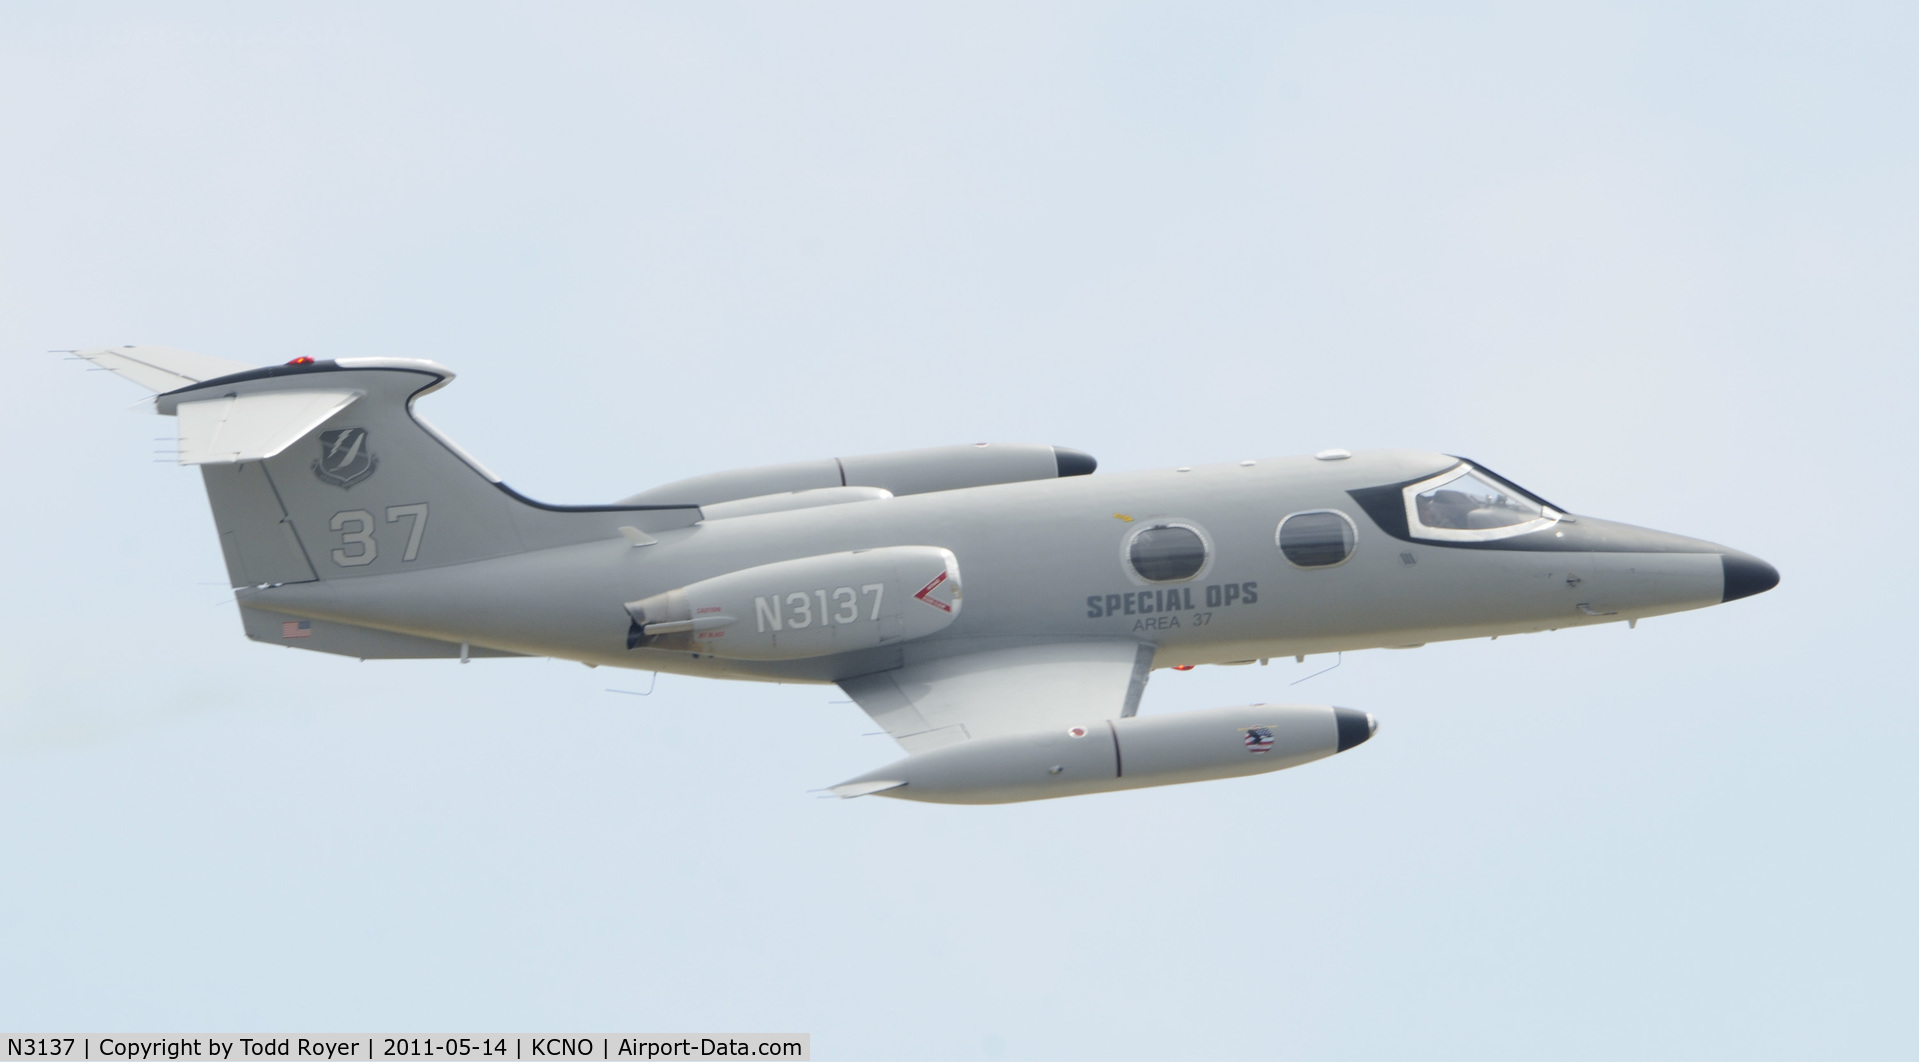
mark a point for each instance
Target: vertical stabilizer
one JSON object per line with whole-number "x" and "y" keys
{"x": 321, "y": 470}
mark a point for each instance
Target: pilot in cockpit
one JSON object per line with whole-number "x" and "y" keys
{"x": 1473, "y": 501}
{"x": 1446, "y": 508}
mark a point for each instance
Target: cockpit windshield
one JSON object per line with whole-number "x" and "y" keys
{"x": 1466, "y": 504}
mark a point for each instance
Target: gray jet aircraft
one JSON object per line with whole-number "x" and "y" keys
{"x": 996, "y": 609}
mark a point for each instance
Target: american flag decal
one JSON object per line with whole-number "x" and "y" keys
{"x": 1259, "y": 739}
{"x": 296, "y": 629}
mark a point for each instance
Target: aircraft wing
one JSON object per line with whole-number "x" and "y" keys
{"x": 1004, "y": 691}
{"x": 160, "y": 368}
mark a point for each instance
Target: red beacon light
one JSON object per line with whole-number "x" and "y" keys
{"x": 301, "y": 361}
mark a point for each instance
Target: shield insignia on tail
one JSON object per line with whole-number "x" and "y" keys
{"x": 344, "y": 457}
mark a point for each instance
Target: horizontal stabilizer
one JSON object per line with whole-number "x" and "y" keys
{"x": 222, "y": 431}
{"x": 160, "y": 368}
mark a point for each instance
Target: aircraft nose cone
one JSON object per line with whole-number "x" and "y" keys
{"x": 1746, "y": 575}
{"x": 1354, "y": 727}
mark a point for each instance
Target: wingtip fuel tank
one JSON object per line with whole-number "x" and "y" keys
{"x": 1105, "y": 755}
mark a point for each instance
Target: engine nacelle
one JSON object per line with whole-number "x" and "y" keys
{"x": 934, "y": 468}
{"x": 812, "y": 606}
{"x": 1109, "y": 754}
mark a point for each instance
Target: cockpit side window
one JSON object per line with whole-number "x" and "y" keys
{"x": 1467, "y": 504}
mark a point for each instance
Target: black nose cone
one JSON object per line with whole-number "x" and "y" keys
{"x": 1354, "y": 727}
{"x": 1746, "y": 575}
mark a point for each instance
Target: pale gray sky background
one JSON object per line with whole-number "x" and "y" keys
{"x": 1655, "y": 261}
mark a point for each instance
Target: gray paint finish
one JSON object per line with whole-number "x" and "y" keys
{"x": 959, "y": 594}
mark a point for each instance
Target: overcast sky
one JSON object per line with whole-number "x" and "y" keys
{"x": 1655, "y": 262}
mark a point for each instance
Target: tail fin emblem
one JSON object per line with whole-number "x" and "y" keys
{"x": 344, "y": 457}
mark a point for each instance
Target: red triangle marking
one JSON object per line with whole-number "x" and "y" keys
{"x": 929, "y": 588}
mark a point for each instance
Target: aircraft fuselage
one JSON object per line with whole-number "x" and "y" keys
{"x": 1045, "y": 561}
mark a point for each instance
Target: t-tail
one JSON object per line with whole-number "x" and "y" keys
{"x": 321, "y": 470}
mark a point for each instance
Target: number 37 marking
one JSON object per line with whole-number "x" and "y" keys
{"x": 356, "y": 533}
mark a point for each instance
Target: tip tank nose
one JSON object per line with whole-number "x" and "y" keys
{"x": 1746, "y": 575}
{"x": 1354, "y": 727}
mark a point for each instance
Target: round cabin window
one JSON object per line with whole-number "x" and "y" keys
{"x": 1166, "y": 553}
{"x": 1317, "y": 539}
